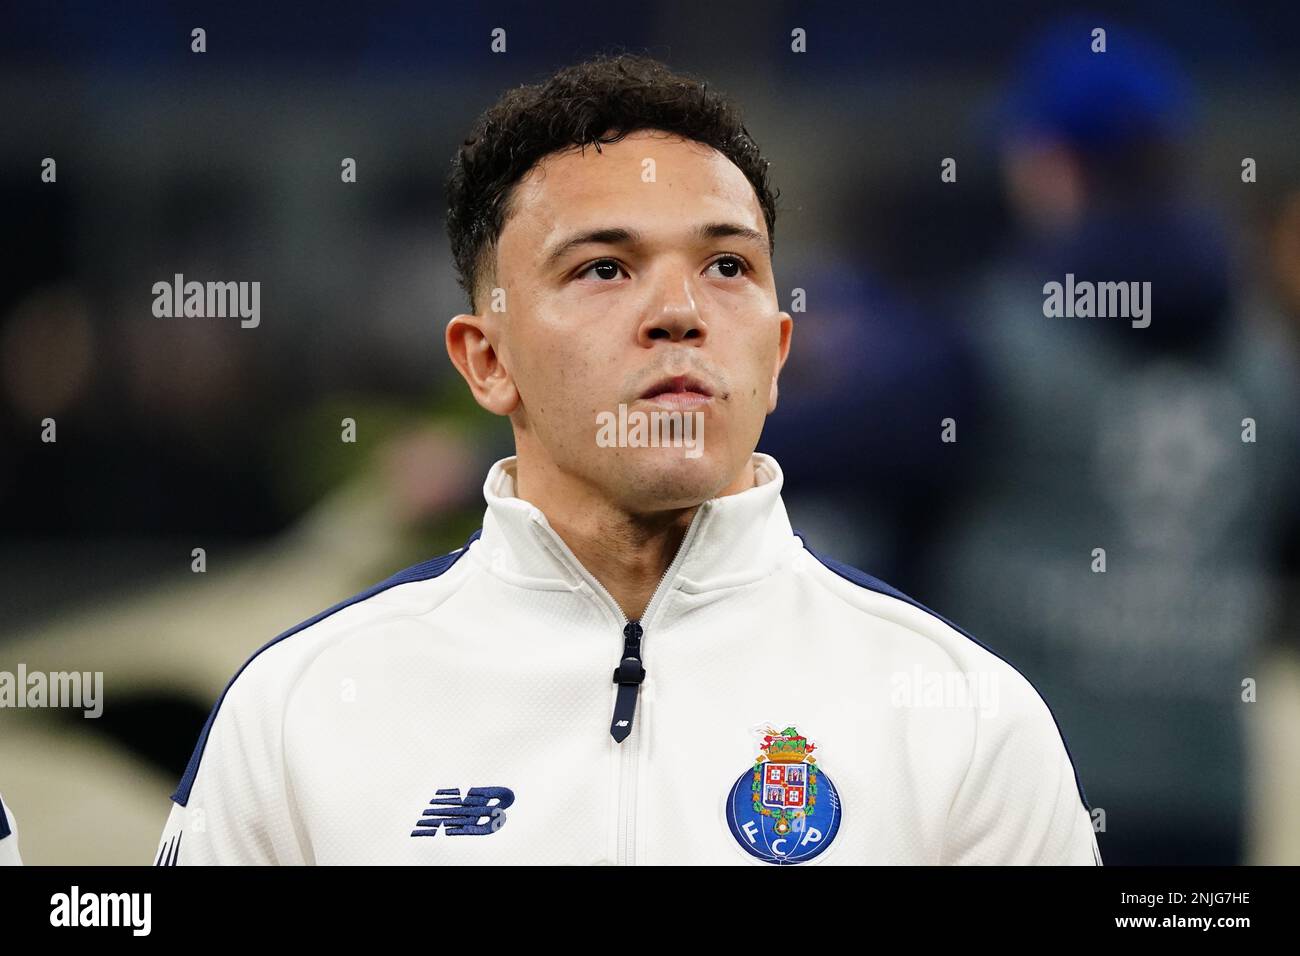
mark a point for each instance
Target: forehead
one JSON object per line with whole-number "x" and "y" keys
{"x": 584, "y": 188}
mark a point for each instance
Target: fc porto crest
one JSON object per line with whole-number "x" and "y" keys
{"x": 784, "y": 809}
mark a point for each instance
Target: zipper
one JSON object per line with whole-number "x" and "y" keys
{"x": 630, "y": 672}
{"x": 629, "y": 675}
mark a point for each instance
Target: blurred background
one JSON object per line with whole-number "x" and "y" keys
{"x": 924, "y": 302}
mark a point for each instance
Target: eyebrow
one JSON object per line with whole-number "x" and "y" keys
{"x": 621, "y": 235}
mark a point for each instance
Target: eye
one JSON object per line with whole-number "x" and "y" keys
{"x": 603, "y": 264}
{"x": 731, "y": 262}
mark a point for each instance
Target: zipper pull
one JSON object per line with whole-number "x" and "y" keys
{"x": 628, "y": 676}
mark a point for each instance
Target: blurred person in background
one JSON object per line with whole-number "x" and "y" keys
{"x": 873, "y": 378}
{"x": 1272, "y": 308}
{"x": 1100, "y": 435}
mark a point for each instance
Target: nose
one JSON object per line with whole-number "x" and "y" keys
{"x": 673, "y": 315}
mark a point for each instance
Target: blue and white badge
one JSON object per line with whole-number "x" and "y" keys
{"x": 784, "y": 809}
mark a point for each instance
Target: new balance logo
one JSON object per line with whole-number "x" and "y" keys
{"x": 474, "y": 815}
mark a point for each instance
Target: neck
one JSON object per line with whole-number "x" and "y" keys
{"x": 627, "y": 552}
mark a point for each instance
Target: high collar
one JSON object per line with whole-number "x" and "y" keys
{"x": 732, "y": 540}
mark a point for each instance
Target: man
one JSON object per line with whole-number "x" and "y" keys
{"x": 636, "y": 660}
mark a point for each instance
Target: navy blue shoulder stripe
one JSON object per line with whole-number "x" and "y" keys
{"x": 4, "y": 823}
{"x": 420, "y": 572}
{"x": 862, "y": 579}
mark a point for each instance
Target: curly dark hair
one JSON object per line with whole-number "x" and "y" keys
{"x": 597, "y": 101}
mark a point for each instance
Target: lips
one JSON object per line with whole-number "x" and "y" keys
{"x": 686, "y": 386}
{"x": 679, "y": 393}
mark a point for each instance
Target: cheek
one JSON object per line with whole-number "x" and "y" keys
{"x": 761, "y": 357}
{"x": 564, "y": 386}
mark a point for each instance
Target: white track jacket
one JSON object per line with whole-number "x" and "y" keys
{"x": 494, "y": 706}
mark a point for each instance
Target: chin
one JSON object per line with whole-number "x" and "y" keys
{"x": 660, "y": 478}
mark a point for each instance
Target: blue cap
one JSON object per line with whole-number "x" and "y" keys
{"x": 1096, "y": 101}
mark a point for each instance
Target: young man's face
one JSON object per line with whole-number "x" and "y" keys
{"x": 607, "y": 321}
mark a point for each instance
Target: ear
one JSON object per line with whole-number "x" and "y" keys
{"x": 471, "y": 345}
{"x": 786, "y": 329}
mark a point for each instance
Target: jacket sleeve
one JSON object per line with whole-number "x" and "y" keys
{"x": 1019, "y": 803}
{"x": 8, "y": 837}
{"x": 234, "y": 805}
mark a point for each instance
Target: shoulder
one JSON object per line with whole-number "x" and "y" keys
{"x": 928, "y": 633}
{"x": 415, "y": 590}
{"x": 260, "y": 687}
